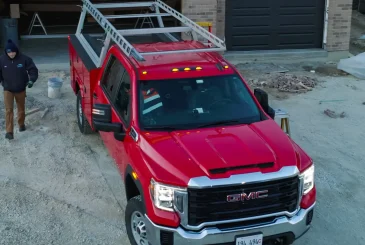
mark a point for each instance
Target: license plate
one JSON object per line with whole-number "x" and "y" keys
{"x": 250, "y": 240}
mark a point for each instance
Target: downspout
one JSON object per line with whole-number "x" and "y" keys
{"x": 324, "y": 46}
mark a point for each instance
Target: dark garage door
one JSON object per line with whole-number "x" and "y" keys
{"x": 274, "y": 24}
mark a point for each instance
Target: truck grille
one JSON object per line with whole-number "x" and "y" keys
{"x": 210, "y": 204}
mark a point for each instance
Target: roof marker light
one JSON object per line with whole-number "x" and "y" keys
{"x": 175, "y": 69}
{"x": 144, "y": 72}
{"x": 226, "y": 67}
{"x": 198, "y": 68}
{"x": 187, "y": 69}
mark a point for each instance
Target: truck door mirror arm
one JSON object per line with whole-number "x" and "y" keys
{"x": 263, "y": 99}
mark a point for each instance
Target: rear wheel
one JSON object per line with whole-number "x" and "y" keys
{"x": 84, "y": 125}
{"x": 136, "y": 222}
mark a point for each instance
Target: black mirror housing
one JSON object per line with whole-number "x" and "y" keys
{"x": 263, "y": 99}
{"x": 102, "y": 113}
{"x": 102, "y": 119}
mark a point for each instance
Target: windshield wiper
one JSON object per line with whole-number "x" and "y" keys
{"x": 225, "y": 122}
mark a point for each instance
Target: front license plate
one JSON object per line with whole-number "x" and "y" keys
{"x": 250, "y": 240}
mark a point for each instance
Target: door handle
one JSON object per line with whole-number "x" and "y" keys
{"x": 95, "y": 96}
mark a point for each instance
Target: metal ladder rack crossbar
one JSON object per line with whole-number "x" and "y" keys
{"x": 117, "y": 35}
{"x": 126, "y": 16}
{"x": 122, "y": 5}
{"x": 153, "y": 31}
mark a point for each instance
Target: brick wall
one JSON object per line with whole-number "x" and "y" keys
{"x": 339, "y": 25}
{"x": 207, "y": 11}
{"x": 339, "y": 19}
{"x": 202, "y": 10}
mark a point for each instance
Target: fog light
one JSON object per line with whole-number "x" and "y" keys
{"x": 309, "y": 217}
{"x": 166, "y": 238}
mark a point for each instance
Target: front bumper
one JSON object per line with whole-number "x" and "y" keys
{"x": 295, "y": 227}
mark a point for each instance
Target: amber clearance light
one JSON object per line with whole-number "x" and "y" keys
{"x": 198, "y": 68}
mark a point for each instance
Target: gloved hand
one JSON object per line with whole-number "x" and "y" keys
{"x": 30, "y": 84}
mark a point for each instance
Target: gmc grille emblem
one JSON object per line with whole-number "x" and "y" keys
{"x": 246, "y": 197}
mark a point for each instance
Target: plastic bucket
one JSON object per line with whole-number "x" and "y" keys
{"x": 54, "y": 87}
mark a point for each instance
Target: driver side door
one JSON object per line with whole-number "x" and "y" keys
{"x": 107, "y": 93}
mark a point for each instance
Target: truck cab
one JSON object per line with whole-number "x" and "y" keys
{"x": 202, "y": 159}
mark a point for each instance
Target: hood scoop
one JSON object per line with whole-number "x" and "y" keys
{"x": 224, "y": 170}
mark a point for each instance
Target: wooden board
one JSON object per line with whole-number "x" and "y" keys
{"x": 14, "y": 11}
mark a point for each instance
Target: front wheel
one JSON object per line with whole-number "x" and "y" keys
{"x": 84, "y": 125}
{"x": 135, "y": 222}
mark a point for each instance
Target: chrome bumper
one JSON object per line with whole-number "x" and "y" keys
{"x": 295, "y": 225}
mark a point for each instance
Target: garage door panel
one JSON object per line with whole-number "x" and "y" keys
{"x": 291, "y": 20}
{"x": 243, "y": 4}
{"x": 296, "y": 3}
{"x": 250, "y": 21}
{"x": 279, "y": 24}
{"x": 257, "y": 40}
{"x": 299, "y": 38}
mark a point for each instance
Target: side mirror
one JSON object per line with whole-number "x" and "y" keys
{"x": 263, "y": 99}
{"x": 102, "y": 119}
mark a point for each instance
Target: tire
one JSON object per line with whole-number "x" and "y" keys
{"x": 134, "y": 217}
{"x": 84, "y": 125}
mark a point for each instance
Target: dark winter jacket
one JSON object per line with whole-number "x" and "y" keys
{"x": 16, "y": 73}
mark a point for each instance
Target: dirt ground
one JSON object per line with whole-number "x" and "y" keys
{"x": 60, "y": 187}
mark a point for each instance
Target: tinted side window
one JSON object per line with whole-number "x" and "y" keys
{"x": 112, "y": 75}
{"x": 123, "y": 98}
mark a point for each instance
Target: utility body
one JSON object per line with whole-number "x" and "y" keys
{"x": 201, "y": 156}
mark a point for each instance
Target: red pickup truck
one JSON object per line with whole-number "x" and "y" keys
{"x": 202, "y": 159}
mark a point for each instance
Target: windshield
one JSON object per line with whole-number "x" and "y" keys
{"x": 195, "y": 102}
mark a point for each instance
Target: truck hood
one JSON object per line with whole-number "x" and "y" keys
{"x": 218, "y": 152}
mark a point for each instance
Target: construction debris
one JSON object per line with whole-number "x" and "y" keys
{"x": 288, "y": 83}
{"x": 32, "y": 111}
{"x": 44, "y": 112}
{"x": 333, "y": 114}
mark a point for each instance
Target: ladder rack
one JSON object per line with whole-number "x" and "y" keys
{"x": 117, "y": 36}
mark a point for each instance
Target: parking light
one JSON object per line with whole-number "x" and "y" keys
{"x": 308, "y": 180}
{"x": 166, "y": 197}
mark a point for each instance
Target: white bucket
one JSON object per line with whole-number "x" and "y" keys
{"x": 54, "y": 93}
{"x": 54, "y": 87}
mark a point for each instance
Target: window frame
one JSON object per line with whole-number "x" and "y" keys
{"x": 139, "y": 112}
{"x": 129, "y": 109}
{"x": 117, "y": 83}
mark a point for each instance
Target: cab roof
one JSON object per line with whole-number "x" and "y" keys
{"x": 161, "y": 65}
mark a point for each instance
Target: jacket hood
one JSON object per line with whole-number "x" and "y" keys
{"x": 219, "y": 152}
{"x": 11, "y": 47}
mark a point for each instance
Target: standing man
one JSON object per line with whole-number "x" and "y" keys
{"x": 17, "y": 71}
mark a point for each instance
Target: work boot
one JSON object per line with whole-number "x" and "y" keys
{"x": 22, "y": 128}
{"x": 9, "y": 136}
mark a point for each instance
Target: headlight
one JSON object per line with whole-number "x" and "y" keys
{"x": 166, "y": 197}
{"x": 308, "y": 180}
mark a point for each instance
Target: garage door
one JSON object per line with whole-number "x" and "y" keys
{"x": 274, "y": 24}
